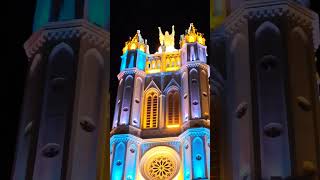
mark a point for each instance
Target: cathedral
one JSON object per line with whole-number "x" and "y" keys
{"x": 161, "y": 122}
{"x": 247, "y": 110}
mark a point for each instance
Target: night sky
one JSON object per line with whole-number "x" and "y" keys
{"x": 126, "y": 18}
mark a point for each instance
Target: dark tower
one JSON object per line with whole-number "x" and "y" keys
{"x": 266, "y": 54}
{"x": 63, "y": 126}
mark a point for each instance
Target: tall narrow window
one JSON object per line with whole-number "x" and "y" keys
{"x": 151, "y": 109}
{"x": 173, "y": 109}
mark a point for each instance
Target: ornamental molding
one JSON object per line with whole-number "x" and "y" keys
{"x": 126, "y": 138}
{"x": 59, "y": 31}
{"x": 131, "y": 71}
{"x": 195, "y": 132}
{"x": 194, "y": 64}
{"x": 149, "y": 145}
{"x": 260, "y": 9}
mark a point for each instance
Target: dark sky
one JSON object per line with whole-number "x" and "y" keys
{"x": 126, "y": 18}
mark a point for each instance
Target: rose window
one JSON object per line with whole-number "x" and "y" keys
{"x": 161, "y": 168}
{"x": 160, "y": 163}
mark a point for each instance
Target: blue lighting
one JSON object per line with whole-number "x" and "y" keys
{"x": 42, "y": 14}
{"x": 99, "y": 12}
{"x": 198, "y": 158}
{"x": 131, "y": 166}
{"x": 67, "y": 10}
{"x": 128, "y": 60}
{"x": 131, "y": 65}
{"x": 186, "y": 164}
{"x": 123, "y": 61}
{"x": 141, "y": 60}
{"x": 118, "y": 162}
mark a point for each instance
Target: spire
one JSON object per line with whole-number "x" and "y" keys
{"x": 192, "y": 36}
{"x": 137, "y": 42}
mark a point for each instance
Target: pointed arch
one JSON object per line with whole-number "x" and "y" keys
{"x": 126, "y": 100}
{"x": 173, "y": 107}
{"x": 198, "y": 158}
{"x": 118, "y": 162}
{"x": 267, "y": 26}
{"x": 151, "y": 109}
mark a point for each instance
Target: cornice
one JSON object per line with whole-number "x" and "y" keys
{"x": 125, "y": 138}
{"x": 259, "y": 9}
{"x": 131, "y": 71}
{"x": 195, "y": 64}
{"x": 65, "y": 30}
{"x": 195, "y": 132}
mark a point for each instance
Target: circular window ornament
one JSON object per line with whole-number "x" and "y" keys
{"x": 160, "y": 163}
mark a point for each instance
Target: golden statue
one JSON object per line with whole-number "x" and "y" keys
{"x": 166, "y": 39}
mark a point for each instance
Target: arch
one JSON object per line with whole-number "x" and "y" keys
{"x": 266, "y": 26}
{"x": 136, "y": 107}
{"x": 131, "y": 162}
{"x": 194, "y": 93}
{"x": 173, "y": 108}
{"x": 301, "y": 85}
{"x": 151, "y": 109}
{"x": 126, "y": 100}
{"x": 164, "y": 153}
{"x": 117, "y": 111}
{"x": 57, "y": 104}
{"x": 300, "y": 33}
{"x": 90, "y": 93}
{"x": 204, "y": 86}
{"x": 58, "y": 49}
{"x": 269, "y": 69}
{"x": 118, "y": 162}
{"x": 198, "y": 158}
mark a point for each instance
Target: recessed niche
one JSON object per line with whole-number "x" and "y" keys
{"x": 87, "y": 124}
{"x": 241, "y": 109}
{"x": 273, "y": 130}
{"x": 50, "y": 150}
{"x": 118, "y": 163}
{"x": 304, "y": 103}
{"x": 135, "y": 121}
{"x": 185, "y": 96}
{"x": 186, "y": 146}
{"x": 195, "y": 102}
{"x": 198, "y": 157}
{"x": 137, "y": 100}
{"x": 204, "y": 94}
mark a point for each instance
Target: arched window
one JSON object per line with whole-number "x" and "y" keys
{"x": 173, "y": 109}
{"x": 151, "y": 104}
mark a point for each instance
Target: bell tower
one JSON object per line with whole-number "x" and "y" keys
{"x": 65, "y": 111}
{"x": 161, "y": 122}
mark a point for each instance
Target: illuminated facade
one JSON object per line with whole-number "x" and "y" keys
{"x": 161, "y": 122}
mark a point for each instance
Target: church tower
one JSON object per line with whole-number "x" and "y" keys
{"x": 65, "y": 111}
{"x": 161, "y": 122}
{"x": 270, "y": 123}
